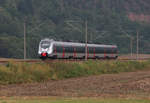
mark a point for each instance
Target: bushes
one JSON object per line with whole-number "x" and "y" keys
{"x": 40, "y": 72}
{"x": 23, "y": 73}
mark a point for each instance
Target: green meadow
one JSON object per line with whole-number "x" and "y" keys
{"x": 74, "y": 100}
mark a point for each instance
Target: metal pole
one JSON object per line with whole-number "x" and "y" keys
{"x": 131, "y": 47}
{"x": 24, "y": 39}
{"x": 86, "y": 40}
{"x": 137, "y": 51}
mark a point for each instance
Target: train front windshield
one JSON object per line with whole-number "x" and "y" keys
{"x": 45, "y": 44}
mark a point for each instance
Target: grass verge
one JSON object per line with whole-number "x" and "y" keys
{"x": 74, "y": 100}
{"x": 39, "y": 72}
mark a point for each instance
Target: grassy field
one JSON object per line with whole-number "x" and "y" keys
{"x": 13, "y": 72}
{"x": 71, "y": 100}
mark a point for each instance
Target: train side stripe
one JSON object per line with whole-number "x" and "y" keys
{"x": 94, "y": 53}
{"x": 63, "y": 55}
{"x": 105, "y": 53}
{"x": 112, "y": 52}
{"x": 74, "y": 55}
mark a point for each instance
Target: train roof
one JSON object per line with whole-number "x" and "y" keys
{"x": 82, "y": 44}
{"x": 77, "y": 44}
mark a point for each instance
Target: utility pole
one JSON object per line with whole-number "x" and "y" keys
{"x": 24, "y": 39}
{"x": 131, "y": 46}
{"x": 137, "y": 48}
{"x": 86, "y": 40}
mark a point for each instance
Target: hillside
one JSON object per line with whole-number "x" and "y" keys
{"x": 109, "y": 22}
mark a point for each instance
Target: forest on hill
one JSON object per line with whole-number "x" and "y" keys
{"x": 109, "y": 22}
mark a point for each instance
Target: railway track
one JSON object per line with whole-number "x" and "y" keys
{"x": 67, "y": 60}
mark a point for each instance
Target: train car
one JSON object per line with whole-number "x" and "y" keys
{"x": 49, "y": 48}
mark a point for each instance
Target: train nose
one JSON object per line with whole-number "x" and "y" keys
{"x": 44, "y": 54}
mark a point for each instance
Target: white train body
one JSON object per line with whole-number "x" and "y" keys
{"x": 55, "y": 49}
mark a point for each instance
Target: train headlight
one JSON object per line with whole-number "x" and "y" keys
{"x": 44, "y": 54}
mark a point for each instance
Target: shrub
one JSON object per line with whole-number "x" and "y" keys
{"x": 39, "y": 72}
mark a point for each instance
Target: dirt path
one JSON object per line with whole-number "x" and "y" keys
{"x": 135, "y": 83}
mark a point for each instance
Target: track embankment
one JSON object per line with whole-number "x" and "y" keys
{"x": 127, "y": 57}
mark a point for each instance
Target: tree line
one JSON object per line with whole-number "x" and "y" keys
{"x": 108, "y": 23}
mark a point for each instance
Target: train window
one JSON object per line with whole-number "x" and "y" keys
{"x": 69, "y": 49}
{"x": 91, "y": 49}
{"x": 45, "y": 44}
{"x": 115, "y": 50}
{"x": 110, "y": 50}
{"x": 80, "y": 49}
{"x": 99, "y": 50}
{"x": 66, "y": 49}
{"x": 59, "y": 48}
